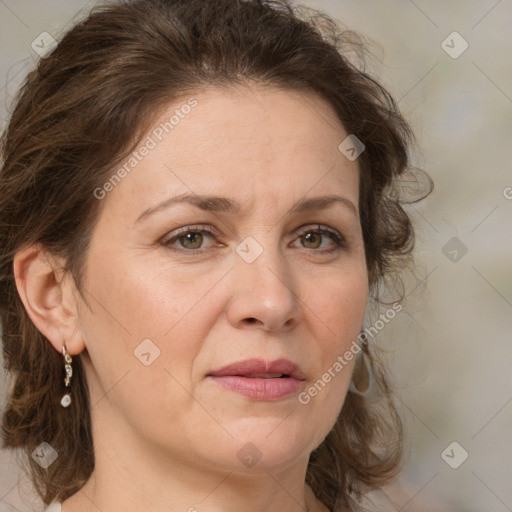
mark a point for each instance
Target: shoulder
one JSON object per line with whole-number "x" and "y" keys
{"x": 54, "y": 507}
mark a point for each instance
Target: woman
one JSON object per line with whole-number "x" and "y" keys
{"x": 199, "y": 202}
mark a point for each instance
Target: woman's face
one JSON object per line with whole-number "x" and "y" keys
{"x": 180, "y": 289}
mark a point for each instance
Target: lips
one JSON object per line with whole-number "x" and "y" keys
{"x": 260, "y": 369}
{"x": 261, "y": 380}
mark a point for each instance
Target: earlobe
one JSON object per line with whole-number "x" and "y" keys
{"x": 48, "y": 299}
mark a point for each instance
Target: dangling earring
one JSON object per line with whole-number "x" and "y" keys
{"x": 367, "y": 378}
{"x": 66, "y": 399}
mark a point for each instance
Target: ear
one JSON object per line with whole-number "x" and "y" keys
{"x": 49, "y": 296}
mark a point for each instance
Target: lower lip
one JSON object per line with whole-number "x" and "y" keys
{"x": 260, "y": 389}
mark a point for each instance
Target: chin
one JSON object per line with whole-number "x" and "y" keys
{"x": 268, "y": 443}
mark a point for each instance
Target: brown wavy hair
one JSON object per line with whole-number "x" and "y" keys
{"x": 86, "y": 107}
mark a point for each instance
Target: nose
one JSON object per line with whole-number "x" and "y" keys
{"x": 264, "y": 294}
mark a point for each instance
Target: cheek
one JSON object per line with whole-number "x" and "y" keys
{"x": 147, "y": 300}
{"x": 337, "y": 311}
{"x": 173, "y": 310}
{"x": 340, "y": 304}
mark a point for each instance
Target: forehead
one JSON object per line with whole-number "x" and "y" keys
{"x": 251, "y": 141}
{"x": 252, "y": 116}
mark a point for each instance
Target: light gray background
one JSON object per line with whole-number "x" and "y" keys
{"x": 450, "y": 352}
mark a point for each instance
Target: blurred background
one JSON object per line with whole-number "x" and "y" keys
{"x": 449, "y": 66}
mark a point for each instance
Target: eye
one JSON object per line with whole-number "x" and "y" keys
{"x": 189, "y": 239}
{"x": 312, "y": 239}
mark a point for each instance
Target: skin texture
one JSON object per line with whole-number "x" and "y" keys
{"x": 166, "y": 437}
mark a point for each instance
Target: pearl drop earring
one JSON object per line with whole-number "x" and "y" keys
{"x": 66, "y": 399}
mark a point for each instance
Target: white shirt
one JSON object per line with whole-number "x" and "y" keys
{"x": 54, "y": 507}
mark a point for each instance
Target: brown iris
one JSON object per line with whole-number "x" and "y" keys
{"x": 195, "y": 239}
{"x": 311, "y": 237}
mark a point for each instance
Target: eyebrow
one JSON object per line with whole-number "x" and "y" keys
{"x": 231, "y": 206}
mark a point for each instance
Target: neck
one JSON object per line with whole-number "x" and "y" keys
{"x": 132, "y": 476}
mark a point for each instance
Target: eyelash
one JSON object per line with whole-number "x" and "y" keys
{"x": 338, "y": 239}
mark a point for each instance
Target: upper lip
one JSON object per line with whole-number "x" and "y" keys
{"x": 259, "y": 366}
